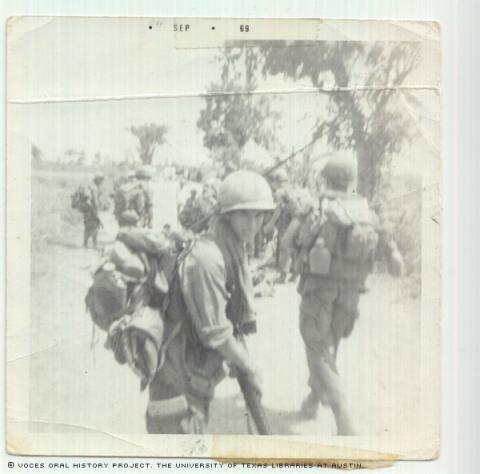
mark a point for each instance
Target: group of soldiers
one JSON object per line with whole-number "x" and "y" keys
{"x": 329, "y": 241}
{"x": 132, "y": 202}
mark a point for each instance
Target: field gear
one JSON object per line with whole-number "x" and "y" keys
{"x": 171, "y": 415}
{"x": 346, "y": 230}
{"x": 128, "y": 218}
{"x": 319, "y": 258}
{"x": 129, "y": 276}
{"x": 79, "y": 199}
{"x": 85, "y": 201}
{"x": 204, "y": 297}
{"x": 339, "y": 171}
{"x": 245, "y": 190}
{"x": 135, "y": 197}
{"x": 296, "y": 202}
{"x": 337, "y": 245}
{"x": 126, "y": 261}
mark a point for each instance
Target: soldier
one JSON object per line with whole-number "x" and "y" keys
{"x": 292, "y": 208}
{"x": 281, "y": 217}
{"x": 191, "y": 212}
{"x": 135, "y": 195}
{"x": 211, "y": 297}
{"x": 337, "y": 251}
{"x": 87, "y": 202}
{"x": 144, "y": 199}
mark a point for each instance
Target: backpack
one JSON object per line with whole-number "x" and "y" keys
{"x": 80, "y": 199}
{"x": 133, "y": 273}
{"x": 130, "y": 196}
{"x": 346, "y": 239}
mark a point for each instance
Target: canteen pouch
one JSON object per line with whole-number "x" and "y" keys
{"x": 166, "y": 416}
{"x": 319, "y": 258}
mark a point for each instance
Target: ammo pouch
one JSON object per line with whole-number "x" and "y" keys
{"x": 165, "y": 416}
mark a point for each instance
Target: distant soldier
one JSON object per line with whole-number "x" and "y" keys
{"x": 294, "y": 204}
{"x": 86, "y": 200}
{"x": 135, "y": 195}
{"x": 191, "y": 212}
{"x": 338, "y": 245}
{"x": 281, "y": 216}
{"x": 144, "y": 199}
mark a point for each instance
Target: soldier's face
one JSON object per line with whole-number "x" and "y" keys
{"x": 246, "y": 224}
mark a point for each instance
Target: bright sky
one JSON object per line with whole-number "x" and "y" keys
{"x": 75, "y": 59}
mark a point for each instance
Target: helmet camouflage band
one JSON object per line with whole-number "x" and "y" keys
{"x": 245, "y": 190}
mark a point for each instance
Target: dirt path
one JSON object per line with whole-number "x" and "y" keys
{"x": 76, "y": 387}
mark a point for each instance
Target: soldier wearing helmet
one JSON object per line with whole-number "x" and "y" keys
{"x": 338, "y": 173}
{"x": 337, "y": 249}
{"x": 92, "y": 203}
{"x": 293, "y": 205}
{"x": 142, "y": 199}
{"x": 212, "y": 296}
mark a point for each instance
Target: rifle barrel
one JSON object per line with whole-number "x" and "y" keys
{"x": 254, "y": 405}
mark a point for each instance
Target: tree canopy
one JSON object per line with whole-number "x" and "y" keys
{"x": 149, "y": 137}
{"x": 361, "y": 80}
{"x": 233, "y": 115}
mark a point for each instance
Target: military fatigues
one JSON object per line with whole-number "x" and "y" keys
{"x": 297, "y": 204}
{"x": 91, "y": 220}
{"x": 329, "y": 302}
{"x": 192, "y": 365}
{"x": 328, "y": 311}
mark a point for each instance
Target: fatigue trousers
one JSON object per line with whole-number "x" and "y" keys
{"x": 328, "y": 311}
{"x": 175, "y": 381}
{"x": 90, "y": 231}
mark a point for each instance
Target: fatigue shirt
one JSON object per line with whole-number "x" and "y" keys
{"x": 199, "y": 300}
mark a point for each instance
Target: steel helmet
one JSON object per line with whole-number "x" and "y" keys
{"x": 339, "y": 170}
{"x": 246, "y": 190}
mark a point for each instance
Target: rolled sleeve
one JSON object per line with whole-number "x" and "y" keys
{"x": 203, "y": 286}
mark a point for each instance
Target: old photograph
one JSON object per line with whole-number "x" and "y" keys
{"x": 223, "y": 238}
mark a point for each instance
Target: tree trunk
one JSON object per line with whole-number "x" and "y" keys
{"x": 368, "y": 163}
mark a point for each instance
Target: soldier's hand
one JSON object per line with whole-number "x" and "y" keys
{"x": 255, "y": 380}
{"x": 395, "y": 263}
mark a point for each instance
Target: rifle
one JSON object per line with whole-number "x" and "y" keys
{"x": 252, "y": 399}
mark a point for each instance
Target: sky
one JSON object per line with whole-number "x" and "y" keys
{"x": 80, "y": 83}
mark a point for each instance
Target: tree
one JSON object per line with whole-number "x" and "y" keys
{"x": 149, "y": 136}
{"x": 368, "y": 119}
{"x": 37, "y": 156}
{"x": 233, "y": 115}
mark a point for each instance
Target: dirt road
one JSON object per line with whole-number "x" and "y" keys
{"x": 77, "y": 386}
